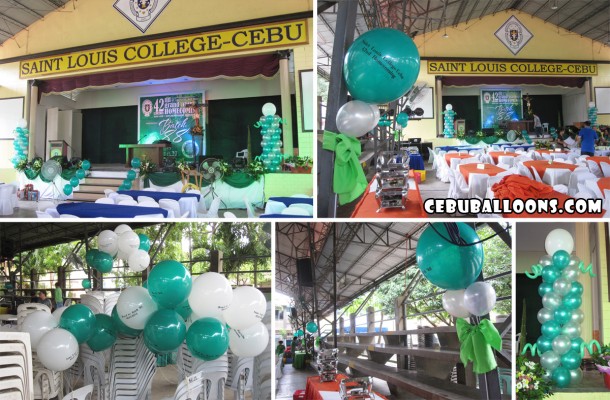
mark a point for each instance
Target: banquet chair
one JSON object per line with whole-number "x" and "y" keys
{"x": 477, "y": 185}
{"x": 84, "y": 393}
{"x": 545, "y": 156}
{"x": 455, "y": 162}
{"x": 52, "y": 211}
{"x": 274, "y": 207}
{"x": 249, "y": 208}
{"x": 104, "y": 200}
{"x": 431, "y": 156}
{"x": 306, "y": 207}
{"x": 128, "y": 202}
{"x": 213, "y": 210}
{"x": 456, "y": 190}
{"x": 14, "y": 199}
{"x": 149, "y": 204}
{"x": 556, "y": 176}
{"x": 145, "y": 198}
{"x": 108, "y": 192}
{"x": 594, "y": 168}
{"x": 170, "y": 205}
{"x": 536, "y": 175}
{"x": 6, "y": 203}
{"x": 605, "y": 168}
{"x": 192, "y": 387}
{"x": 295, "y": 211}
{"x": 524, "y": 171}
{"x": 508, "y": 160}
{"x": 579, "y": 177}
{"x": 120, "y": 197}
{"x": 67, "y": 216}
{"x": 584, "y": 192}
{"x": 42, "y": 214}
{"x": 229, "y": 214}
{"x": 503, "y": 166}
{"x": 592, "y": 186}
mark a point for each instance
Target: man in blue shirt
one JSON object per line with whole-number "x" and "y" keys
{"x": 587, "y": 137}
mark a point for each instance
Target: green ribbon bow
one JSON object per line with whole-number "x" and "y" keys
{"x": 476, "y": 344}
{"x": 349, "y": 181}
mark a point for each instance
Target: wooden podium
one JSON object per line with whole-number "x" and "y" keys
{"x": 153, "y": 152}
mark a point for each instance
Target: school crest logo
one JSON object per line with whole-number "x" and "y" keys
{"x": 514, "y": 35}
{"x": 147, "y": 107}
{"x": 141, "y": 13}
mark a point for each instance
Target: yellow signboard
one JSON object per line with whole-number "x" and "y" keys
{"x": 280, "y": 34}
{"x": 509, "y": 68}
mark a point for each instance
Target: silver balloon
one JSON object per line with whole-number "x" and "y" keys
{"x": 562, "y": 286}
{"x": 574, "y": 260}
{"x": 453, "y": 303}
{"x": 355, "y": 118}
{"x": 551, "y": 301}
{"x": 578, "y": 316}
{"x": 545, "y": 315}
{"x": 547, "y": 375}
{"x": 576, "y": 376}
{"x": 571, "y": 330}
{"x": 545, "y": 260}
{"x": 550, "y": 360}
{"x": 561, "y": 344}
{"x": 479, "y": 298}
{"x": 570, "y": 273}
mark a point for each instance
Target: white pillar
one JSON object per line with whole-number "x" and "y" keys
{"x": 286, "y": 103}
{"x": 31, "y": 114}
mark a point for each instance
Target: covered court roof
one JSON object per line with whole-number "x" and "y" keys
{"x": 589, "y": 18}
{"x": 16, "y": 15}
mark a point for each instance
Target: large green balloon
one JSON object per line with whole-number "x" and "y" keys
{"x": 74, "y": 181}
{"x": 86, "y": 284}
{"x": 80, "y": 173}
{"x": 85, "y": 165}
{"x": 562, "y": 315}
{"x": 544, "y": 344}
{"x": 561, "y": 377}
{"x": 551, "y": 329}
{"x": 103, "y": 262}
{"x": 131, "y": 174}
{"x": 311, "y": 327}
{"x": 135, "y": 162}
{"x": 169, "y": 283}
{"x": 550, "y": 274}
{"x": 544, "y": 288}
{"x": 104, "y": 333}
{"x": 68, "y": 189}
{"x": 576, "y": 288}
{"x": 121, "y": 328}
{"x": 561, "y": 259}
{"x": 164, "y": 332}
{"x": 207, "y": 338}
{"x": 447, "y": 265}
{"x": 381, "y": 66}
{"x": 78, "y": 320}
{"x": 576, "y": 343}
{"x": 144, "y": 242}
{"x": 571, "y": 359}
{"x": 572, "y": 301}
{"x": 184, "y": 309}
{"x": 90, "y": 257}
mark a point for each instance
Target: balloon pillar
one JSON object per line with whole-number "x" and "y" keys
{"x": 451, "y": 257}
{"x": 560, "y": 346}
{"x": 20, "y": 144}
{"x": 271, "y": 143}
{"x": 449, "y": 116}
{"x": 592, "y": 114}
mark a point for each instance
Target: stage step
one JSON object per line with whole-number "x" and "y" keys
{"x": 93, "y": 186}
{"x": 103, "y": 181}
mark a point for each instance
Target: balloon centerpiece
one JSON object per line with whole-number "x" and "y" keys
{"x": 271, "y": 133}
{"x": 592, "y": 114}
{"x": 21, "y": 143}
{"x": 449, "y": 117}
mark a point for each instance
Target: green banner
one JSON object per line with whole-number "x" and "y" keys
{"x": 500, "y": 105}
{"x": 174, "y": 117}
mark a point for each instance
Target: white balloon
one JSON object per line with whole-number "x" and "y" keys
{"x": 249, "y": 342}
{"x": 591, "y": 104}
{"x": 211, "y": 295}
{"x": 138, "y": 260}
{"x": 558, "y": 239}
{"x": 108, "y": 242}
{"x": 37, "y": 324}
{"x": 121, "y": 229}
{"x": 57, "y": 313}
{"x": 58, "y": 349}
{"x": 135, "y": 306}
{"x": 479, "y": 298}
{"x": 355, "y": 118}
{"x": 22, "y": 123}
{"x": 448, "y": 107}
{"x": 247, "y": 308}
{"x": 269, "y": 109}
{"x": 128, "y": 243}
{"x": 453, "y": 303}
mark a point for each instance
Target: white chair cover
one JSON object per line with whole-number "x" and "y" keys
{"x": 592, "y": 186}
{"x": 6, "y": 203}
{"x": 104, "y": 200}
{"x": 595, "y": 169}
{"x": 507, "y": 160}
{"x": 171, "y": 205}
{"x": 477, "y": 185}
{"x": 605, "y": 168}
{"x": 557, "y": 176}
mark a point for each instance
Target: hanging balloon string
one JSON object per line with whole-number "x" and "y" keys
{"x": 589, "y": 346}
{"x": 460, "y": 242}
{"x": 536, "y": 272}
{"x": 532, "y": 348}
{"x": 588, "y": 270}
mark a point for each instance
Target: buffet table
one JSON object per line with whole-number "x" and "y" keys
{"x": 367, "y": 207}
{"x": 316, "y": 390}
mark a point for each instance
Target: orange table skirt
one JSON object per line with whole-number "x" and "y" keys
{"x": 367, "y": 207}
{"x": 495, "y": 154}
{"x": 599, "y": 160}
{"x": 449, "y": 156}
{"x": 541, "y": 165}
{"x": 603, "y": 184}
{"x": 467, "y": 169}
{"x": 314, "y": 387}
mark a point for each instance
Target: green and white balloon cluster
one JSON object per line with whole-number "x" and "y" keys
{"x": 78, "y": 176}
{"x": 20, "y": 144}
{"x": 561, "y": 316}
{"x": 271, "y": 143}
{"x": 131, "y": 174}
{"x": 592, "y": 114}
{"x": 121, "y": 244}
{"x": 449, "y": 116}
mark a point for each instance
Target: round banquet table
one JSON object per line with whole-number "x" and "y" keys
{"x": 541, "y": 165}
{"x": 491, "y": 170}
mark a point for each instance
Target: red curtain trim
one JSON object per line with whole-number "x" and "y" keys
{"x": 512, "y": 80}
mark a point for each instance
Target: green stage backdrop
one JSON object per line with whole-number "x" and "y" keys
{"x": 500, "y": 105}
{"x": 170, "y": 117}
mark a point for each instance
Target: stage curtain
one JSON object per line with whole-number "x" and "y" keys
{"x": 265, "y": 65}
{"x": 238, "y": 180}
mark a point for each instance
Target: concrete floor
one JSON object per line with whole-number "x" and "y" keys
{"x": 165, "y": 382}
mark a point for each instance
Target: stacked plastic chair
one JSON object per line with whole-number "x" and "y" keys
{"x": 261, "y": 374}
{"x": 215, "y": 372}
{"x": 23, "y": 310}
{"x": 132, "y": 367}
{"x": 94, "y": 369}
{"x": 192, "y": 387}
{"x": 93, "y": 300}
{"x": 16, "y": 374}
{"x": 239, "y": 379}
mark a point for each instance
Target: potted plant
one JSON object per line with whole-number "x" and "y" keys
{"x": 302, "y": 165}
{"x": 602, "y": 362}
{"x": 530, "y": 383}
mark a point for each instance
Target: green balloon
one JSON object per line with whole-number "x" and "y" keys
{"x": 571, "y": 301}
{"x": 126, "y": 184}
{"x": 104, "y": 333}
{"x": 562, "y": 315}
{"x": 86, "y": 284}
{"x": 121, "y": 328}
{"x": 561, "y": 259}
{"x": 131, "y": 174}
{"x": 78, "y": 320}
{"x": 544, "y": 288}
{"x": 74, "y": 182}
{"x": 145, "y": 284}
{"x": 576, "y": 288}
{"x": 184, "y": 309}
{"x": 402, "y": 119}
{"x": 576, "y": 343}
{"x": 447, "y": 265}
{"x": 299, "y": 333}
{"x": 103, "y": 262}
{"x": 144, "y": 242}
{"x": 135, "y": 162}
{"x": 550, "y": 274}
{"x": 164, "y": 332}
{"x": 571, "y": 359}
{"x": 80, "y": 173}
{"x": 85, "y": 165}
{"x": 544, "y": 344}
{"x": 207, "y": 339}
{"x": 551, "y": 329}
{"x": 68, "y": 189}
{"x": 169, "y": 283}
{"x": 311, "y": 327}
{"x": 91, "y": 256}
{"x": 123, "y": 187}
{"x": 561, "y": 377}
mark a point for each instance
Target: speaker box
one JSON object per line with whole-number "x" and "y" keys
{"x": 304, "y": 274}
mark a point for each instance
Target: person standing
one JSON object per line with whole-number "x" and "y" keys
{"x": 537, "y": 125}
{"x": 42, "y": 295}
{"x": 58, "y": 296}
{"x": 586, "y": 138}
